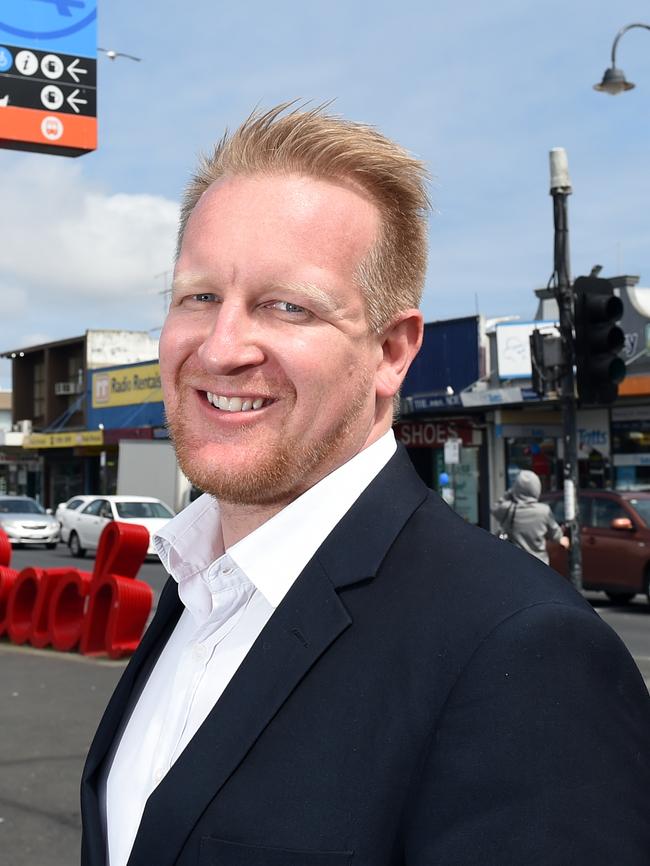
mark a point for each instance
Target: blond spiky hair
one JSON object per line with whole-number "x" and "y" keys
{"x": 291, "y": 140}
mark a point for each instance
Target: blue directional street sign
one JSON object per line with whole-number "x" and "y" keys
{"x": 48, "y": 75}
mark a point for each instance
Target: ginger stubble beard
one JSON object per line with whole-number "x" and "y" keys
{"x": 279, "y": 477}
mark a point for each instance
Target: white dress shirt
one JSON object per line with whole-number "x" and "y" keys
{"x": 228, "y": 596}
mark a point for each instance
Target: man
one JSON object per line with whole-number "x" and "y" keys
{"x": 340, "y": 670}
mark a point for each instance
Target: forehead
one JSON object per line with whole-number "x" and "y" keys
{"x": 328, "y": 222}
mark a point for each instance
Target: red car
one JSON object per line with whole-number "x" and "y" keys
{"x": 615, "y": 541}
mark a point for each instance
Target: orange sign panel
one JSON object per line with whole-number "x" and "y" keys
{"x": 47, "y": 131}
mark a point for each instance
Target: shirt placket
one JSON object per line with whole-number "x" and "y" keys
{"x": 231, "y": 592}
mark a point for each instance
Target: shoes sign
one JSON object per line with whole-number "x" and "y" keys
{"x": 102, "y": 612}
{"x": 48, "y": 76}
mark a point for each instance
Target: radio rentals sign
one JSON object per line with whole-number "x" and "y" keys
{"x": 126, "y": 386}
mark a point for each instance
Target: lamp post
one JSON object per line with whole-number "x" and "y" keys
{"x": 614, "y": 80}
{"x": 560, "y": 191}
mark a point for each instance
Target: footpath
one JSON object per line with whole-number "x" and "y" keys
{"x": 50, "y": 704}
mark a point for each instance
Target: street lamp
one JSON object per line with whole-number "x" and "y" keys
{"x": 614, "y": 78}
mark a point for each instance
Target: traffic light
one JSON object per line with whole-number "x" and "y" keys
{"x": 598, "y": 340}
{"x": 546, "y": 362}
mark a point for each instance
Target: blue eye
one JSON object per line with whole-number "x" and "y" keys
{"x": 288, "y": 307}
{"x": 204, "y": 297}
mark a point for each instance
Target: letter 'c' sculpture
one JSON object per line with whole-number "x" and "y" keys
{"x": 98, "y": 613}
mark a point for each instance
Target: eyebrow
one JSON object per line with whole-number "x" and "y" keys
{"x": 184, "y": 282}
{"x": 312, "y": 292}
{"x": 309, "y": 291}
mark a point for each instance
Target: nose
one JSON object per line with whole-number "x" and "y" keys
{"x": 233, "y": 343}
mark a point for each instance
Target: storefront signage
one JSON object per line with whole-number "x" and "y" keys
{"x": 103, "y": 613}
{"x": 492, "y": 397}
{"x": 513, "y": 347}
{"x": 593, "y": 433}
{"x": 64, "y": 440}
{"x": 434, "y": 434}
{"x": 631, "y": 413}
{"x": 48, "y": 87}
{"x": 125, "y": 386}
{"x": 428, "y": 402}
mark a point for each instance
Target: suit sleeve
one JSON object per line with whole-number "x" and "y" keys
{"x": 541, "y": 755}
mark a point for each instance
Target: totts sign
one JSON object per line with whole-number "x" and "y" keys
{"x": 103, "y": 613}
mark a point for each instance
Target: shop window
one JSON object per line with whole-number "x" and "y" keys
{"x": 66, "y": 479}
{"x": 631, "y": 449}
{"x": 538, "y": 455}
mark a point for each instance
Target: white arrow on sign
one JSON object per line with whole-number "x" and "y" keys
{"x": 74, "y": 101}
{"x": 73, "y": 71}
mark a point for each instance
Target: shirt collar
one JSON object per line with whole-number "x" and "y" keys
{"x": 273, "y": 555}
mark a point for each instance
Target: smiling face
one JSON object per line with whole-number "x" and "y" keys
{"x": 270, "y": 376}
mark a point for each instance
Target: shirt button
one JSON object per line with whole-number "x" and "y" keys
{"x": 200, "y": 652}
{"x": 158, "y": 776}
{"x": 227, "y": 571}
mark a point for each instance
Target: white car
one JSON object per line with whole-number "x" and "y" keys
{"x": 86, "y": 523}
{"x": 65, "y": 510}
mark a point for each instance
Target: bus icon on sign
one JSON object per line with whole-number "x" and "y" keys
{"x": 52, "y": 128}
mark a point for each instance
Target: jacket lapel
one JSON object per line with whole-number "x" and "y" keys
{"x": 306, "y": 623}
{"x": 310, "y": 617}
{"x": 167, "y": 613}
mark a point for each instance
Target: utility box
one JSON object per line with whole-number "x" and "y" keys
{"x": 151, "y": 469}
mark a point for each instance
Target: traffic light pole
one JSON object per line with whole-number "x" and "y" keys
{"x": 561, "y": 190}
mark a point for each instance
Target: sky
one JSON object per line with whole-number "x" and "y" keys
{"x": 480, "y": 91}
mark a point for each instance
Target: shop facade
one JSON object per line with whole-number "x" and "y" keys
{"x": 61, "y": 449}
{"x": 445, "y": 439}
{"x": 450, "y": 456}
{"x": 532, "y": 438}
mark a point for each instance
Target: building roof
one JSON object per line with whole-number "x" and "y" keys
{"x": 11, "y": 353}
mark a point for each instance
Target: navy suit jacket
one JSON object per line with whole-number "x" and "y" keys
{"x": 425, "y": 695}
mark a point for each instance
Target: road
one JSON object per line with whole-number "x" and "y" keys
{"x": 50, "y": 704}
{"x": 632, "y": 624}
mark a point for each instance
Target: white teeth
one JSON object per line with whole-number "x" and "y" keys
{"x": 234, "y": 404}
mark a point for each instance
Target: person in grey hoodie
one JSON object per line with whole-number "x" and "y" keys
{"x": 527, "y": 521}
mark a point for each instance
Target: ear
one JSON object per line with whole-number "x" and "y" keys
{"x": 400, "y": 343}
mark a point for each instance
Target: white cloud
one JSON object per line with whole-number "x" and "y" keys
{"x": 65, "y": 239}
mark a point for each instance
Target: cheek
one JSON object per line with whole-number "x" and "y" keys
{"x": 336, "y": 377}
{"x": 174, "y": 348}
